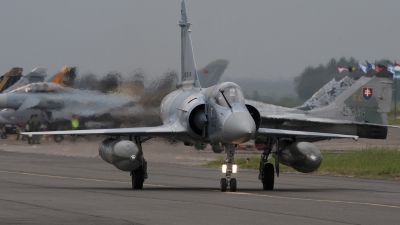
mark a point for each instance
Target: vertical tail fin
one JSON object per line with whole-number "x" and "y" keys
{"x": 368, "y": 100}
{"x": 10, "y": 78}
{"x": 189, "y": 72}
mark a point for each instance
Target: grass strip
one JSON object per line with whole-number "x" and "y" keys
{"x": 378, "y": 163}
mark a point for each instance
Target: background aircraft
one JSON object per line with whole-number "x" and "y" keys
{"x": 10, "y": 78}
{"x": 191, "y": 114}
{"x": 35, "y": 76}
{"x": 211, "y": 74}
{"x": 65, "y": 77}
{"x": 360, "y": 110}
{"x": 331, "y": 90}
{"x": 144, "y": 113}
{"x": 51, "y": 96}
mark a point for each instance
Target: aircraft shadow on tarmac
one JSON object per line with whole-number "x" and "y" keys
{"x": 205, "y": 189}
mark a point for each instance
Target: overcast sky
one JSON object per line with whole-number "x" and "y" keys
{"x": 261, "y": 38}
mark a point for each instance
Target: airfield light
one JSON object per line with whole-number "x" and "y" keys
{"x": 224, "y": 167}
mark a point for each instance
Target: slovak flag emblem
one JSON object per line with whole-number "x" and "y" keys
{"x": 367, "y": 93}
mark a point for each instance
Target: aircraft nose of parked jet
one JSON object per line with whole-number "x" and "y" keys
{"x": 239, "y": 127}
{"x": 3, "y": 101}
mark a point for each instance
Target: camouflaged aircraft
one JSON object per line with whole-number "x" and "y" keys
{"x": 10, "y": 78}
{"x": 218, "y": 115}
{"x": 36, "y": 75}
{"x": 55, "y": 97}
{"x": 10, "y": 118}
{"x": 330, "y": 91}
{"x": 360, "y": 110}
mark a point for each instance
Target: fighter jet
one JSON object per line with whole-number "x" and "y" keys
{"x": 10, "y": 78}
{"x": 53, "y": 97}
{"x": 360, "y": 110}
{"x": 56, "y": 104}
{"x": 191, "y": 114}
{"x": 37, "y": 75}
{"x": 331, "y": 90}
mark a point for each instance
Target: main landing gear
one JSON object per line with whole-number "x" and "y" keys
{"x": 228, "y": 169}
{"x": 267, "y": 173}
{"x": 139, "y": 175}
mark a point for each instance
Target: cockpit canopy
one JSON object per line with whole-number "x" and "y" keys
{"x": 232, "y": 94}
{"x": 39, "y": 88}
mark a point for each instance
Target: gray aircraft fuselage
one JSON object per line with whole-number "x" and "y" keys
{"x": 50, "y": 97}
{"x": 10, "y": 117}
{"x": 211, "y": 117}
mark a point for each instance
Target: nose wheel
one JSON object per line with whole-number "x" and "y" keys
{"x": 228, "y": 181}
{"x": 224, "y": 185}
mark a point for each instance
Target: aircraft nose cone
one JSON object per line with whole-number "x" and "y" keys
{"x": 3, "y": 101}
{"x": 239, "y": 127}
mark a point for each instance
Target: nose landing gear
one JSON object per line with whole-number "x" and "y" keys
{"x": 228, "y": 169}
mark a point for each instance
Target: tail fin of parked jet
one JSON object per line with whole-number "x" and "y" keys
{"x": 35, "y": 76}
{"x": 65, "y": 77}
{"x": 331, "y": 90}
{"x": 189, "y": 72}
{"x": 211, "y": 74}
{"x": 366, "y": 101}
{"x": 10, "y": 78}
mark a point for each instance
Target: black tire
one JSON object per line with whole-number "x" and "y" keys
{"x": 232, "y": 185}
{"x": 4, "y": 136}
{"x": 137, "y": 178}
{"x": 58, "y": 138}
{"x": 223, "y": 185}
{"x": 25, "y": 137}
{"x": 269, "y": 177}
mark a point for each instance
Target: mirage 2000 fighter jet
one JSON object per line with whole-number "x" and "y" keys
{"x": 191, "y": 114}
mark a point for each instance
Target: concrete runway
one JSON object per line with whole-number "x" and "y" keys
{"x": 55, "y": 189}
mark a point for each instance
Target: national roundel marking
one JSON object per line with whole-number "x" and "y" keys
{"x": 367, "y": 93}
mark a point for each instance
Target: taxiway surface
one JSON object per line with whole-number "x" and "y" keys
{"x": 51, "y": 189}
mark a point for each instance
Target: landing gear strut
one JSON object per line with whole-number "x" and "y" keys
{"x": 140, "y": 174}
{"x": 228, "y": 181}
{"x": 267, "y": 174}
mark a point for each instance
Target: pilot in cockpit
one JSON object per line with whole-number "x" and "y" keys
{"x": 232, "y": 94}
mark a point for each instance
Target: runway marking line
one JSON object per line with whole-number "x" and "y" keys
{"x": 77, "y": 178}
{"x": 315, "y": 200}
